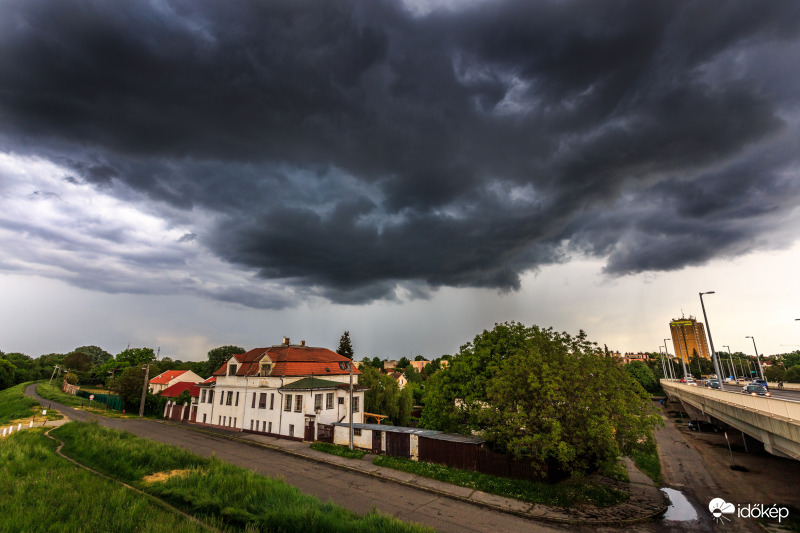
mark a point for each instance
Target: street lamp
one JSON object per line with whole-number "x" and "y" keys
{"x": 758, "y": 359}
{"x": 733, "y": 366}
{"x": 669, "y": 359}
{"x": 714, "y": 357}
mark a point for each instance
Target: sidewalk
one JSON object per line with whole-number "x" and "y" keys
{"x": 5, "y": 431}
{"x": 646, "y": 500}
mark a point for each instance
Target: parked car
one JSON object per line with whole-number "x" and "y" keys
{"x": 702, "y": 425}
{"x": 755, "y": 389}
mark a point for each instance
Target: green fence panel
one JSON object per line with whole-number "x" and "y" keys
{"x": 113, "y": 401}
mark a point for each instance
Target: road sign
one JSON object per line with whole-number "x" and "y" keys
{"x": 91, "y": 396}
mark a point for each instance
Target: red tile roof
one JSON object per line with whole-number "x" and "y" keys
{"x": 165, "y": 377}
{"x": 290, "y": 361}
{"x": 178, "y": 388}
{"x": 210, "y": 380}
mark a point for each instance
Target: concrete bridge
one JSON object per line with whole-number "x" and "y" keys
{"x": 772, "y": 421}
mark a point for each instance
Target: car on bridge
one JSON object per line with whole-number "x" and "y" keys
{"x": 755, "y": 389}
{"x": 761, "y": 382}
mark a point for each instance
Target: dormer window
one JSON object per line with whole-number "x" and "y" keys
{"x": 265, "y": 369}
{"x": 231, "y": 370}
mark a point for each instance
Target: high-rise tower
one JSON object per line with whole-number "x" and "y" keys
{"x": 688, "y": 338}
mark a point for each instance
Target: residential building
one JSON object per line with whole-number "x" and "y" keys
{"x": 400, "y": 378}
{"x": 285, "y": 390}
{"x": 689, "y": 338}
{"x": 171, "y": 377}
{"x": 419, "y": 365}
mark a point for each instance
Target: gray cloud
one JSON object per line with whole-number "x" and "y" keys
{"x": 353, "y": 150}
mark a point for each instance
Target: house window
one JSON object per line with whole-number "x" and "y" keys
{"x": 251, "y": 425}
{"x": 231, "y": 370}
{"x": 317, "y": 402}
{"x": 203, "y": 397}
{"x": 288, "y": 405}
{"x": 230, "y": 398}
{"x": 356, "y": 432}
{"x": 234, "y": 422}
{"x": 253, "y": 405}
{"x": 291, "y": 430}
{"x": 298, "y": 403}
{"x": 221, "y": 397}
{"x": 341, "y": 401}
{"x": 262, "y": 400}
{"x": 270, "y": 427}
{"x": 204, "y": 418}
{"x": 219, "y": 420}
{"x": 271, "y": 400}
{"x": 237, "y": 398}
{"x": 210, "y": 396}
{"x": 355, "y": 404}
{"x": 224, "y": 421}
{"x": 265, "y": 369}
{"x": 329, "y": 400}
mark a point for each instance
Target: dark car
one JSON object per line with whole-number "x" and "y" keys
{"x": 761, "y": 382}
{"x": 713, "y": 383}
{"x": 702, "y": 425}
{"x": 755, "y": 389}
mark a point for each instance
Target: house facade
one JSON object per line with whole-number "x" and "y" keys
{"x": 170, "y": 378}
{"x": 284, "y": 390}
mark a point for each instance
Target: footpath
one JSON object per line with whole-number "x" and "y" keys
{"x": 646, "y": 501}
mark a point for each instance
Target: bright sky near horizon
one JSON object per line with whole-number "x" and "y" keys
{"x": 187, "y": 175}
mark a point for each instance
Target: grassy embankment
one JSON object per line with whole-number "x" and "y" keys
{"x": 646, "y": 458}
{"x": 567, "y": 494}
{"x": 54, "y": 393}
{"x": 16, "y": 407}
{"x": 211, "y": 490}
{"x": 40, "y": 491}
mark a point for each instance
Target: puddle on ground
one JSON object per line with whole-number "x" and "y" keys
{"x": 680, "y": 510}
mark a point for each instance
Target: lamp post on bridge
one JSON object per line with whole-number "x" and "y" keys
{"x": 714, "y": 357}
{"x": 758, "y": 359}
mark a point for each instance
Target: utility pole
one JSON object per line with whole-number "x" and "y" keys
{"x": 714, "y": 357}
{"x": 144, "y": 390}
{"x": 53, "y": 374}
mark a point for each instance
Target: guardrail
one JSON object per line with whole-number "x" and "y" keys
{"x": 769, "y": 406}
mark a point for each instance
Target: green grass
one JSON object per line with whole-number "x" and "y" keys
{"x": 341, "y": 451}
{"x": 645, "y": 455}
{"x": 566, "y": 494}
{"x": 213, "y": 490}
{"x": 53, "y": 392}
{"x": 40, "y": 491}
{"x": 14, "y": 405}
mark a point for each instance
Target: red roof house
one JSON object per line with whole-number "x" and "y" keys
{"x": 170, "y": 377}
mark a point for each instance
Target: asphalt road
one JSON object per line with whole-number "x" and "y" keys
{"x": 350, "y": 490}
{"x": 780, "y": 394}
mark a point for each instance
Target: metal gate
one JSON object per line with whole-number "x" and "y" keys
{"x": 398, "y": 444}
{"x": 325, "y": 433}
{"x": 376, "y": 441}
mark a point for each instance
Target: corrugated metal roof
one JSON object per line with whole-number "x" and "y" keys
{"x": 429, "y": 433}
{"x": 456, "y": 437}
{"x": 309, "y": 383}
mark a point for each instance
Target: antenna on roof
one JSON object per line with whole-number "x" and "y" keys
{"x": 158, "y": 353}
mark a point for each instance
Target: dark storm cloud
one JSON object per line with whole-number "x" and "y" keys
{"x": 349, "y": 149}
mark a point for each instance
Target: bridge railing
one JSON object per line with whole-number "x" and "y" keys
{"x": 770, "y": 406}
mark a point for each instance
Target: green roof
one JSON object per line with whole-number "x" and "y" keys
{"x": 313, "y": 383}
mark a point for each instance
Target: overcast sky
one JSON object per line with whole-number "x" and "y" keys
{"x": 190, "y": 174}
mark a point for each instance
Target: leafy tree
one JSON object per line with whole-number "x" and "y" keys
{"x": 218, "y": 356}
{"x": 774, "y": 373}
{"x": 430, "y": 369}
{"x": 412, "y": 375}
{"x": 137, "y": 356}
{"x": 791, "y": 359}
{"x": 7, "y": 370}
{"x": 419, "y": 358}
{"x": 405, "y": 402}
{"x": 377, "y": 362}
{"x": 403, "y": 363}
{"x": 98, "y": 355}
{"x": 383, "y": 395}
{"x": 793, "y": 374}
{"x": 641, "y": 372}
{"x": 78, "y": 361}
{"x": 345, "y": 346}
{"x": 72, "y": 378}
{"x": 129, "y": 385}
{"x": 544, "y": 396}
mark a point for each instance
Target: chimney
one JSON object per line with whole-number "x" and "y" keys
{"x": 286, "y": 341}
{"x": 302, "y": 343}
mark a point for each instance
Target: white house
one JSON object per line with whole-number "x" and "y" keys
{"x": 284, "y": 390}
{"x": 170, "y": 378}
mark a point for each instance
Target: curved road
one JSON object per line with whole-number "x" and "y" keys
{"x": 347, "y": 489}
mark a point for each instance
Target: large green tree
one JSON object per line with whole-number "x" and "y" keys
{"x": 218, "y": 356}
{"x": 129, "y": 386}
{"x": 137, "y": 356}
{"x": 541, "y": 395}
{"x": 382, "y": 398}
{"x": 643, "y": 373}
{"x": 78, "y": 361}
{"x": 345, "y": 346}
{"x": 98, "y": 355}
{"x": 7, "y": 369}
